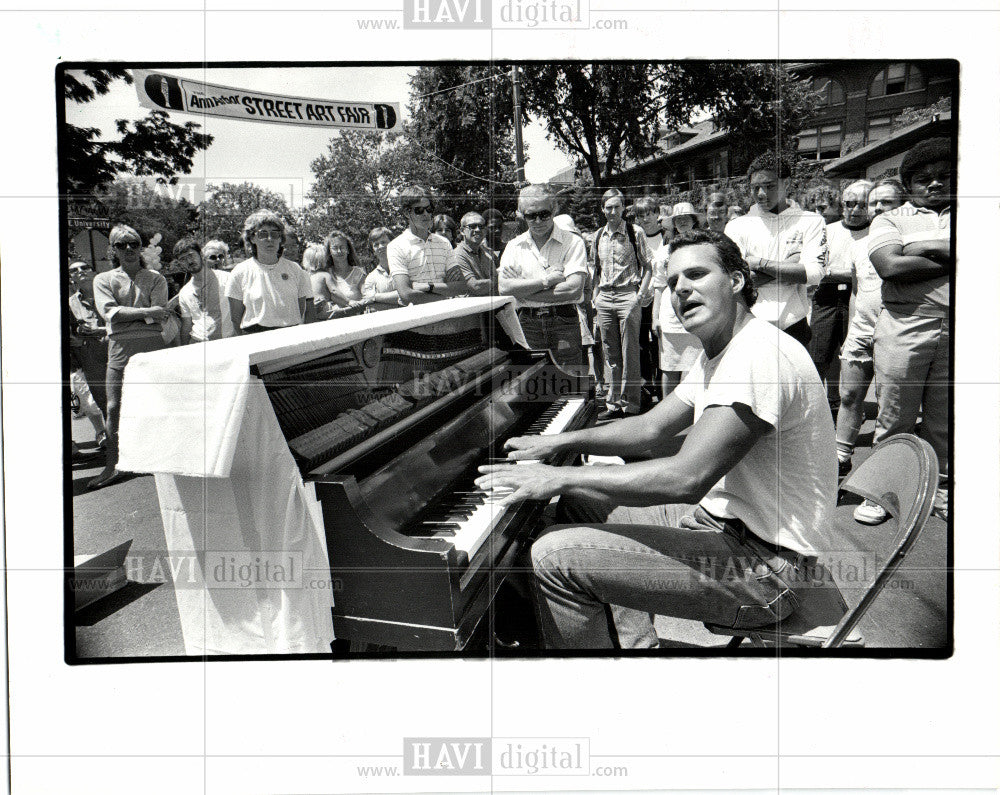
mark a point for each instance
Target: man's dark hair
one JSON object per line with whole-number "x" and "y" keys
{"x": 186, "y": 244}
{"x": 933, "y": 150}
{"x": 729, "y": 257}
{"x": 492, "y": 214}
{"x": 770, "y": 161}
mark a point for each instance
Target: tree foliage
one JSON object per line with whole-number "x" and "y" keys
{"x": 152, "y": 146}
{"x": 356, "y": 181}
{"x": 225, "y": 207}
{"x": 463, "y": 117}
{"x": 608, "y": 113}
{"x": 150, "y": 209}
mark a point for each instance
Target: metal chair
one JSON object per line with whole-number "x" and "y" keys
{"x": 901, "y": 475}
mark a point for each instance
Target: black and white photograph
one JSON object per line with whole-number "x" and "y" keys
{"x": 500, "y": 396}
{"x": 423, "y": 405}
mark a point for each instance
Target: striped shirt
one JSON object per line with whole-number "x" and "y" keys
{"x": 422, "y": 260}
{"x": 912, "y": 224}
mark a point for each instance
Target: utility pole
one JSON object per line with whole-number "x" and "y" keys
{"x": 518, "y": 142}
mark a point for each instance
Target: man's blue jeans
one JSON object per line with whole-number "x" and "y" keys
{"x": 662, "y": 560}
{"x": 619, "y": 316}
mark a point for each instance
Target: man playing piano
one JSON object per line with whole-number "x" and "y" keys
{"x": 725, "y": 530}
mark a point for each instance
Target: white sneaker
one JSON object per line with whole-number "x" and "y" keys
{"x": 870, "y": 512}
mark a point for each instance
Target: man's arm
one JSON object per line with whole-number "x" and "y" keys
{"x": 410, "y": 293}
{"x": 236, "y": 310}
{"x": 722, "y": 436}
{"x": 896, "y": 263}
{"x": 627, "y": 437}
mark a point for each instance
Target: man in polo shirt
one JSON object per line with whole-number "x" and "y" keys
{"x": 545, "y": 269}
{"x": 910, "y": 248}
{"x": 622, "y": 274}
{"x": 785, "y": 247}
{"x": 474, "y": 261}
{"x": 419, "y": 259}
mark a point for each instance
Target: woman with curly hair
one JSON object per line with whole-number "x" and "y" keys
{"x": 337, "y": 286}
{"x": 266, "y": 291}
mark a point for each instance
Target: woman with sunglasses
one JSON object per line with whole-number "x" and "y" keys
{"x": 131, "y": 299}
{"x": 337, "y": 284}
{"x": 267, "y": 291}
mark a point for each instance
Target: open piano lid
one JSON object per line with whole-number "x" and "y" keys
{"x": 183, "y": 408}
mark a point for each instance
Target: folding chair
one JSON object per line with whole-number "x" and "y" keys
{"x": 901, "y": 475}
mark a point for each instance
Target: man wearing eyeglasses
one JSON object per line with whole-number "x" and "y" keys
{"x": 216, "y": 255}
{"x": 476, "y": 263}
{"x": 545, "y": 269}
{"x": 131, "y": 299}
{"x": 420, "y": 260}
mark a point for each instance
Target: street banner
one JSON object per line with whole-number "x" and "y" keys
{"x": 161, "y": 91}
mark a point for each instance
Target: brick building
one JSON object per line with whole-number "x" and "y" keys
{"x": 869, "y": 112}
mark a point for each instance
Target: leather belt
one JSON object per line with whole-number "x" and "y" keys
{"x": 559, "y": 310}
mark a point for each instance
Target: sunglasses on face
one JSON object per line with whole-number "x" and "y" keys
{"x": 265, "y": 234}
{"x": 541, "y": 215}
{"x": 474, "y": 226}
{"x": 422, "y": 210}
{"x": 121, "y": 245}
{"x": 213, "y": 256}
{"x": 77, "y": 271}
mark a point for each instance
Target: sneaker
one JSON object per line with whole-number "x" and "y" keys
{"x": 940, "y": 508}
{"x": 611, "y": 413}
{"x": 870, "y": 512}
{"x": 844, "y": 467}
{"x": 107, "y": 477}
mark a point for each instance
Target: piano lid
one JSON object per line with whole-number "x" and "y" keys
{"x": 183, "y": 408}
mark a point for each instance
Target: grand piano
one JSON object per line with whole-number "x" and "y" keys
{"x": 354, "y": 442}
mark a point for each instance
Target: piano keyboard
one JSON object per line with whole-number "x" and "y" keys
{"x": 467, "y": 517}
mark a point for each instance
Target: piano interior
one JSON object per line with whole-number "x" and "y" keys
{"x": 391, "y": 431}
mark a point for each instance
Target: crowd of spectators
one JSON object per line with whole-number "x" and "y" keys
{"x": 858, "y": 275}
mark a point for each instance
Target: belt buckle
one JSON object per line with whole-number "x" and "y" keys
{"x": 543, "y": 311}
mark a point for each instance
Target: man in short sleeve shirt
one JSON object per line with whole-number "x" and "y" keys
{"x": 784, "y": 246}
{"x": 419, "y": 259}
{"x": 545, "y": 270}
{"x": 911, "y": 249}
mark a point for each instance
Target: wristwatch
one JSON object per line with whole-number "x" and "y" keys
{"x": 430, "y": 287}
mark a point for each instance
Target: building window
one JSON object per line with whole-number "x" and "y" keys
{"x": 896, "y": 78}
{"x": 879, "y": 129}
{"x": 821, "y": 143}
{"x": 828, "y": 92}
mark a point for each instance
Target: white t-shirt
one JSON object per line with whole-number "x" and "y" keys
{"x": 270, "y": 293}
{"x": 213, "y": 321}
{"x": 785, "y": 487}
{"x": 779, "y": 237}
{"x": 868, "y": 301}
{"x": 840, "y": 242}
